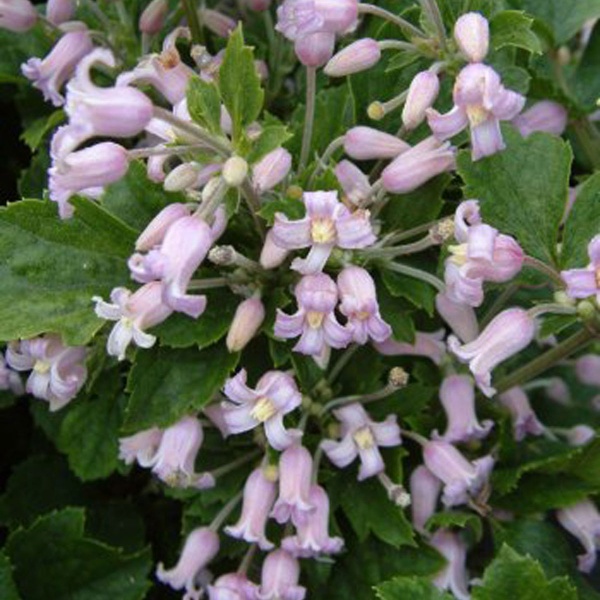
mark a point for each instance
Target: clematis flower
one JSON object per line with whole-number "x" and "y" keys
{"x": 280, "y": 575}
{"x": 354, "y": 182}
{"x": 232, "y": 586}
{"x": 140, "y": 447}
{"x": 583, "y": 521}
{"x": 425, "y": 489}
{"x": 507, "y": 334}
{"x": 481, "y": 102}
{"x": 454, "y": 575}
{"x": 134, "y": 314}
{"x": 153, "y": 17}
{"x": 459, "y": 316}
{"x": 546, "y": 116}
{"x": 60, "y": 11}
{"x": 422, "y": 93}
{"x": 362, "y": 437}
{"x": 366, "y": 143}
{"x": 428, "y": 345}
{"x": 17, "y": 15}
{"x": 327, "y": 224}
{"x": 156, "y": 230}
{"x": 472, "y": 36}
{"x": 9, "y": 379}
{"x": 583, "y": 283}
{"x": 247, "y": 320}
{"x": 275, "y": 395}
{"x": 315, "y": 320}
{"x": 358, "y": 302}
{"x": 523, "y": 418}
{"x": 271, "y": 170}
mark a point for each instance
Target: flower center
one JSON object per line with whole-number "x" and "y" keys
{"x": 362, "y": 315}
{"x": 477, "y": 115}
{"x": 315, "y": 319}
{"x": 169, "y": 59}
{"x": 364, "y": 438}
{"x": 458, "y": 254}
{"x": 322, "y": 231}
{"x": 41, "y": 366}
{"x": 263, "y": 410}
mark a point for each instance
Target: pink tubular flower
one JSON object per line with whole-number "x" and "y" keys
{"x": 60, "y": 11}
{"x": 17, "y": 15}
{"x": 418, "y": 165}
{"x": 422, "y": 93}
{"x": 425, "y": 489}
{"x": 155, "y": 231}
{"x": 472, "y": 35}
{"x": 358, "y": 56}
{"x": 271, "y": 170}
{"x": 280, "y": 575}
{"x": 457, "y": 395}
{"x": 582, "y": 283}
{"x": 587, "y": 369}
{"x": 462, "y": 479}
{"x": 361, "y": 437}
{"x": 272, "y": 255}
{"x": 153, "y": 17}
{"x": 295, "y": 474}
{"x": 217, "y": 22}
{"x": 49, "y": 75}
{"x": 315, "y": 321}
{"x": 134, "y": 314}
{"x": 583, "y": 521}
{"x": 140, "y": 447}
{"x": 312, "y": 537}
{"x": 85, "y": 171}
{"x": 507, "y": 334}
{"x": 248, "y": 318}
{"x": 428, "y": 345}
{"x": 327, "y": 224}
{"x": 481, "y": 102}
{"x": 546, "y": 116}
{"x": 58, "y": 372}
{"x": 10, "y": 380}
{"x": 460, "y": 317}
{"x": 580, "y": 435}
{"x": 366, "y": 143}
{"x": 523, "y": 418}
{"x": 454, "y": 575}
{"x": 315, "y": 49}
{"x": 275, "y": 395}
{"x": 358, "y": 302}
{"x": 190, "y": 573}
{"x": 354, "y": 182}
{"x": 232, "y": 586}
{"x": 259, "y": 496}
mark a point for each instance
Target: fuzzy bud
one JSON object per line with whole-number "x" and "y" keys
{"x": 181, "y": 177}
{"x": 357, "y": 57}
{"x": 422, "y": 93}
{"x": 17, "y": 15}
{"x": 153, "y": 17}
{"x": 472, "y": 34}
{"x": 235, "y": 170}
{"x": 60, "y": 11}
{"x": 271, "y": 170}
{"x": 366, "y": 143}
{"x": 248, "y": 318}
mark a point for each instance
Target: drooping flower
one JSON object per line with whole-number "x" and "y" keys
{"x": 232, "y": 586}
{"x": 425, "y": 489}
{"x": 428, "y": 345}
{"x": 280, "y": 575}
{"x": 60, "y": 11}
{"x": 362, "y": 437}
{"x": 587, "y": 369}
{"x": 523, "y": 418}
{"x": 583, "y": 283}
{"x": 366, "y": 143}
{"x": 275, "y": 395}
{"x": 155, "y": 231}
{"x": 9, "y": 379}
{"x": 271, "y": 170}
{"x": 356, "y": 185}
{"x": 546, "y": 116}
{"x": 327, "y": 224}
{"x": 140, "y": 447}
{"x": 583, "y": 521}
{"x": 354, "y": 58}
{"x": 459, "y": 316}
{"x": 153, "y": 17}
{"x": 454, "y": 575}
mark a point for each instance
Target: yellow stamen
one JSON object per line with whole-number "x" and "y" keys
{"x": 315, "y": 319}
{"x": 458, "y": 254}
{"x": 322, "y": 231}
{"x": 364, "y": 438}
{"x": 263, "y": 410}
{"x": 363, "y": 315}
{"x": 41, "y": 366}
{"x": 477, "y": 115}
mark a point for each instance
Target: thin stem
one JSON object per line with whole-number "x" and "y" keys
{"x": 316, "y": 464}
{"x": 431, "y": 8}
{"x": 309, "y": 115}
{"x": 341, "y": 363}
{"x": 378, "y": 110}
{"x": 547, "y": 270}
{"x": 384, "y": 392}
{"x": 247, "y": 560}
{"x": 432, "y": 280}
{"x": 254, "y": 206}
{"x": 165, "y": 150}
{"x": 391, "y": 252}
{"x": 225, "y": 512}
{"x": 553, "y": 308}
{"x": 207, "y": 284}
{"x": 542, "y": 363}
{"x": 415, "y": 437}
{"x": 191, "y": 15}
{"x": 238, "y": 462}
{"x": 410, "y": 233}
{"x": 408, "y": 28}
{"x": 322, "y": 164}
{"x": 396, "y": 45}
{"x": 99, "y": 14}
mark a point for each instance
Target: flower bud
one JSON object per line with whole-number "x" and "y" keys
{"x": 365, "y": 143}
{"x": 354, "y": 182}
{"x": 248, "y": 318}
{"x": 356, "y": 57}
{"x": 234, "y": 171}
{"x": 315, "y": 49}
{"x": 472, "y": 34}
{"x": 17, "y": 15}
{"x": 181, "y": 177}
{"x": 587, "y": 369}
{"x": 546, "y": 116}
{"x": 425, "y": 489}
{"x": 153, "y": 17}
{"x": 580, "y": 435}
{"x": 280, "y": 576}
{"x": 258, "y": 5}
{"x": 460, "y": 317}
{"x": 155, "y": 232}
{"x": 271, "y": 170}
{"x": 217, "y": 22}
{"x": 59, "y": 11}
{"x": 272, "y": 255}
{"x": 422, "y": 93}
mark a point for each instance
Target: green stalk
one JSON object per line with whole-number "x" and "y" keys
{"x": 191, "y": 15}
{"x": 309, "y": 115}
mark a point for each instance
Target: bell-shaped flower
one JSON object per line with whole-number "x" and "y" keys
{"x": 425, "y": 490}
{"x": 481, "y": 102}
{"x": 546, "y": 116}
{"x": 140, "y": 447}
{"x": 356, "y": 185}
{"x": 295, "y": 480}
{"x": 190, "y": 574}
{"x": 459, "y": 316}
{"x": 271, "y": 170}
{"x": 10, "y": 380}
{"x": 427, "y": 345}
{"x": 507, "y": 334}
{"x": 259, "y": 496}
{"x": 327, "y": 224}
{"x": 58, "y": 372}
{"x": 274, "y": 396}
{"x": 524, "y": 419}
{"x": 457, "y": 395}
{"x": 49, "y": 74}
{"x": 156, "y": 230}
{"x": 315, "y": 321}
{"x": 583, "y": 283}
{"x": 232, "y": 586}
{"x": 17, "y": 15}
{"x": 134, "y": 314}
{"x": 453, "y": 576}
{"x": 362, "y": 437}
{"x": 272, "y": 255}
{"x": 583, "y": 521}
{"x": 280, "y": 576}
{"x": 312, "y": 537}
{"x": 358, "y": 303}
{"x": 462, "y": 479}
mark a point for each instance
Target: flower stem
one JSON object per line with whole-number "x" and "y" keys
{"x": 362, "y": 399}
{"x": 408, "y": 28}
{"x": 415, "y": 437}
{"x": 432, "y": 10}
{"x": 253, "y": 202}
{"x": 191, "y": 15}
{"x": 225, "y": 512}
{"x": 341, "y": 363}
{"x": 432, "y": 280}
{"x": 542, "y": 267}
{"x": 556, "y": 309}
{"x": 309, "y": 116}
{"x": 207, "y": 284}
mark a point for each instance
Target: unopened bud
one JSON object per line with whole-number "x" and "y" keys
{"x": 258, "y": 5}
{"x": 356, "y": 57}
{"x": 586, "y": 310}
{"x": 217, "y": 22}
{"x": 564, "y": 299}
{"x": 295, "y": 192}
{"x": 443, "y": 231}
{"x": 317, "y": 409}
{"x": 272, "y": 255}
{"x": 215, "y": 187}
{"x": 222, "y": 256}
{"x": 271, "y": 170}
{"x": 422, "y": 93}
{"x": 153, "y": 17}
{"x": 316, "y": 49}
{"x": 234, "y": 171}
{"x": 157, "y": 228}
{"x": 248, "y": 318}
{"x": 59, "y": 11}
{"x": 17, "y": 15}
{"x": 398, "y": 377}
{"x": 367, "y": 143}
{"x": 181, "y": 177}
{"x": 472, "y": 34}
{"x": 376, "y": 110}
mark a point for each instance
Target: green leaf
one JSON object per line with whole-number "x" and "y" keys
{"x": 168, "y": 384}
{"x": 584, "y": 81}
{"x": 523, "y": 190}
{"x": 8, "y": 589}
{"x": 512, "y": 576}
{"x": 271, "y": 137}
{"x": 135, "y": 199}
{"x": 35, "y": 133}
{"x": 513, "y": 28}
{"x": 418, "y": 293}
{"x": 240, "y": 84}
{"x": 204, "y": 104}
{"x": 54, "y": 559}
{"x": 415, "y": 588}
{"x": 460, "y": 519}
{"x": 582, "y": 225}
{"x": 50, "y": 269}
{"x": 33, "y": 180}
{"x": 290, "y": 207}
{"x": 395, "y": 313}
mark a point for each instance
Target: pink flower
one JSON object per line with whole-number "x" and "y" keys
{"x": 312, "y": 537}
{"x": 481, "y": 102}
{"x": 366, "y": 143}
{"x": 134, "y": 314}
{"x": 140, "y": 447}
{"x": 583, "y": 283}
{"x": 523, "y": 418}
{"x": 299, "y": 18}
{"x": 457, "y": 395}
{"x": 583, "y": 521}
{"x": 153, "y": 17}
{"x": 60, "y": 11}
{"x": 472, "y": 35}
{"x": 580, "y": 435}
{"x": 422, "y": 93}
{"x": 507, "y": 334}
{"x": 587, "y": 369}
{"x": 17, "y": 15}
{"x": 217, "y": 22}
{"x": 354, "y": 58}
{"x": 428, "y": 345}
{"x": 460, "y": 317}
{"x": 358, "y": 302}
{"x": 51, "y": 73}
{"x": 315, "y": 320}
{"x": 156, "y": 230}
{"x": 248, "y": 318}
{"x": 361, "y": 437}
{"x": 327, "y": 224}
{"x": 454, "y": 575}
{"x": 272, "y": 255}
{"x": 354, "y": 182}
{"x": 271, "y": 170}
{"x": 259, "y": 496}
{"x": 58, "y": 372}
{"x": 462, "y": 479}
{"x": 546, "y": 116}
{"x": 190, "y": 573}
{"x": 9, "y": 379}
{"x": 425, "y": 489}
{"x": 275, "y": 395}
{"x": 280, "y": 575}
{"x": 232, "y": 586}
